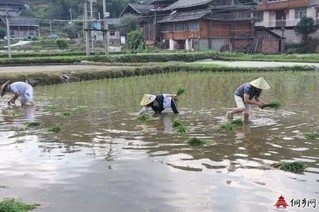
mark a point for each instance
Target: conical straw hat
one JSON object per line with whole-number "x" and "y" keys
{"x": 147, "y": 98}
{"x": 260, "y": 83}
{"x": 2, "y": 90}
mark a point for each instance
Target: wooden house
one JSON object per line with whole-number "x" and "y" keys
{"x": 189, "y": 24}
{"x": 11, "y": 7}
{"x": 22, "y": 27}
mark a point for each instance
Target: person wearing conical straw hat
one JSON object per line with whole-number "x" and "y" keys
{"x": 246, "y": 95}
{"x": 18, "y": 89}
{"x": 158, "y": 103}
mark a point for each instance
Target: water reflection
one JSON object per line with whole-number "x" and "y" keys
{"x": 101, "y": 139}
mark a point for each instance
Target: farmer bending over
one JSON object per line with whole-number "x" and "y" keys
{"x": 158, "y": 103}
{"x": 18, "y": 89}
{"x": 246, "y": 95}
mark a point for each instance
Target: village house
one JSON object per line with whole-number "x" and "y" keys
{"x": 206, "y": 24}
{"x": 20, "y": 27}
{"x": 281, "y": 16}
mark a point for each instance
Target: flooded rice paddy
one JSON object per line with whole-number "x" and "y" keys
{"x": 104, "y": 159}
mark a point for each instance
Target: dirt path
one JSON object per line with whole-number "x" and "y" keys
{"x": 55, "y": 68}
{"x": 62, "y": 68}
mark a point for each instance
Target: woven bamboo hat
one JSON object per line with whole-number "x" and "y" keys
{"x": 3, "y": 86}
{"x": 260, "y": 83}
{"x": 147, "y": 98}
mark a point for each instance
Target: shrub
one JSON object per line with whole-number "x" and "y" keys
{"x": 62, "y": 44}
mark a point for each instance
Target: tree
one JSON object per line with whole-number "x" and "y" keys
{"x": 135, "y": 39}
{"x": 72, "y": 30}
{"x": 128, "y": 23}
{"x": 306, "y": 26}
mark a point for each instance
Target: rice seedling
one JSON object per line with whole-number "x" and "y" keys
{"x": 176, "y": 124}
{"x": 295, "y": 167}
{"x": 274, "y": 105}
{"x": 312, "y": 135}
{"x": 12, "y": 205}
{"x": 194, "y": 141}
{"x": 182, "y": 129}
{"x": 66, "y": 114}
{"x": 144, "y": 117}
{"x": 230, "y": 125}
{"x": 179, "y": 127}
{"x": 33, "y": 124}
{"x": 54, "y": 129}
{"x": 14, "y": 114}
{"x": 180, "y": 91}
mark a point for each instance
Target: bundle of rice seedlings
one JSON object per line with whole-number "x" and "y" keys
{"x": 312, "y": 135}
{"x": 54, "y": 129}
{"x": 180, "y": 91}
{"x": 194, "y": 141}
{"x": 12, "y": 205}
{"x": 176, "y": 124}
{"x": 33, "y": 124}
{"x": 144, "y": 117}
{"x": 230, "y": 125}
{"x": 179, "y": 127}
{"x": 295, "y": 167}
{"x": 274, "y": 105}
{"x": 66, "y": 114}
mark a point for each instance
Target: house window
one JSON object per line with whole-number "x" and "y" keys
{"x": 259, "y": 16}
{"x": 179, "y": 27}
{"x": 276, "y": 0}
{"x": 193, "y": 26}
{"x": 299, "y": 13}
{"x": 112, "y": 33}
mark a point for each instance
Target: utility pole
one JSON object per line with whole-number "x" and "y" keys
{"x": 91, "y": 22}
{"x": 87, "y": 45}
{"x": 105, "y": 28}
{"x": 8, "y": 35}
{"x": 39, "y": 28}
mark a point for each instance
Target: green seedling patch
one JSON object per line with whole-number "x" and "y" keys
{"x": 54, "y": 129}
{"x": 295, "y": 167}
{"x": 194, "y": 141}
{"x": 274, "y": 105}
{"x": 230, "y": 125}
{"x": 312, "y": 135}
{"x": 144, "y": 117}
{"x": 13, "y": 205}
{"x": 33, "y": 124}
{"x": 180, "y": 91}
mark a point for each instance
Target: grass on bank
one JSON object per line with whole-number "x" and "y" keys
{"x": 13, "y": 205}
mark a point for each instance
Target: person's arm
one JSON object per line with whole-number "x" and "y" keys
{"x": 144, "y": 109}
{"x": 255, "y": 101}
{"x": 13, "y": 99}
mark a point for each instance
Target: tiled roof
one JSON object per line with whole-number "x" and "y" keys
{"x": 186, "y": 4}
{"x": 184, "y": 16}
{"x": 141, "y": 8}
{"x": 11, "y": 2}
{"x": 23, "y": 21}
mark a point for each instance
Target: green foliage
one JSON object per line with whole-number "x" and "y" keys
{"x": 66, "y": 114}
{"x": 306, "y": 26}
{"x": 179, "y": 127}
{"x": 135, "y": 40}
{"x": 194, "y": 141}
{"x": 144, "y": 117}
{"x": 33, "y": 124}
{"x": 62, "y": 44}
{"x": 128, "y": 23}
{"x": 312, "y": 135}
{"x": 180, "y": 91}
{"x": 230, "y": 125}
{"x": 275, "y": 105}
{"x": 72, "y": 30}
{"x": 12, "y": 205}
{"x": 295, "y": 167}
{"x": 54, "y": 129}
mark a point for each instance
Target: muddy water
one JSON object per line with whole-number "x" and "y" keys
{"x": 103, "y": 159}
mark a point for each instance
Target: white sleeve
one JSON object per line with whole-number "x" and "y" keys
{"x": 144, "y": 109}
